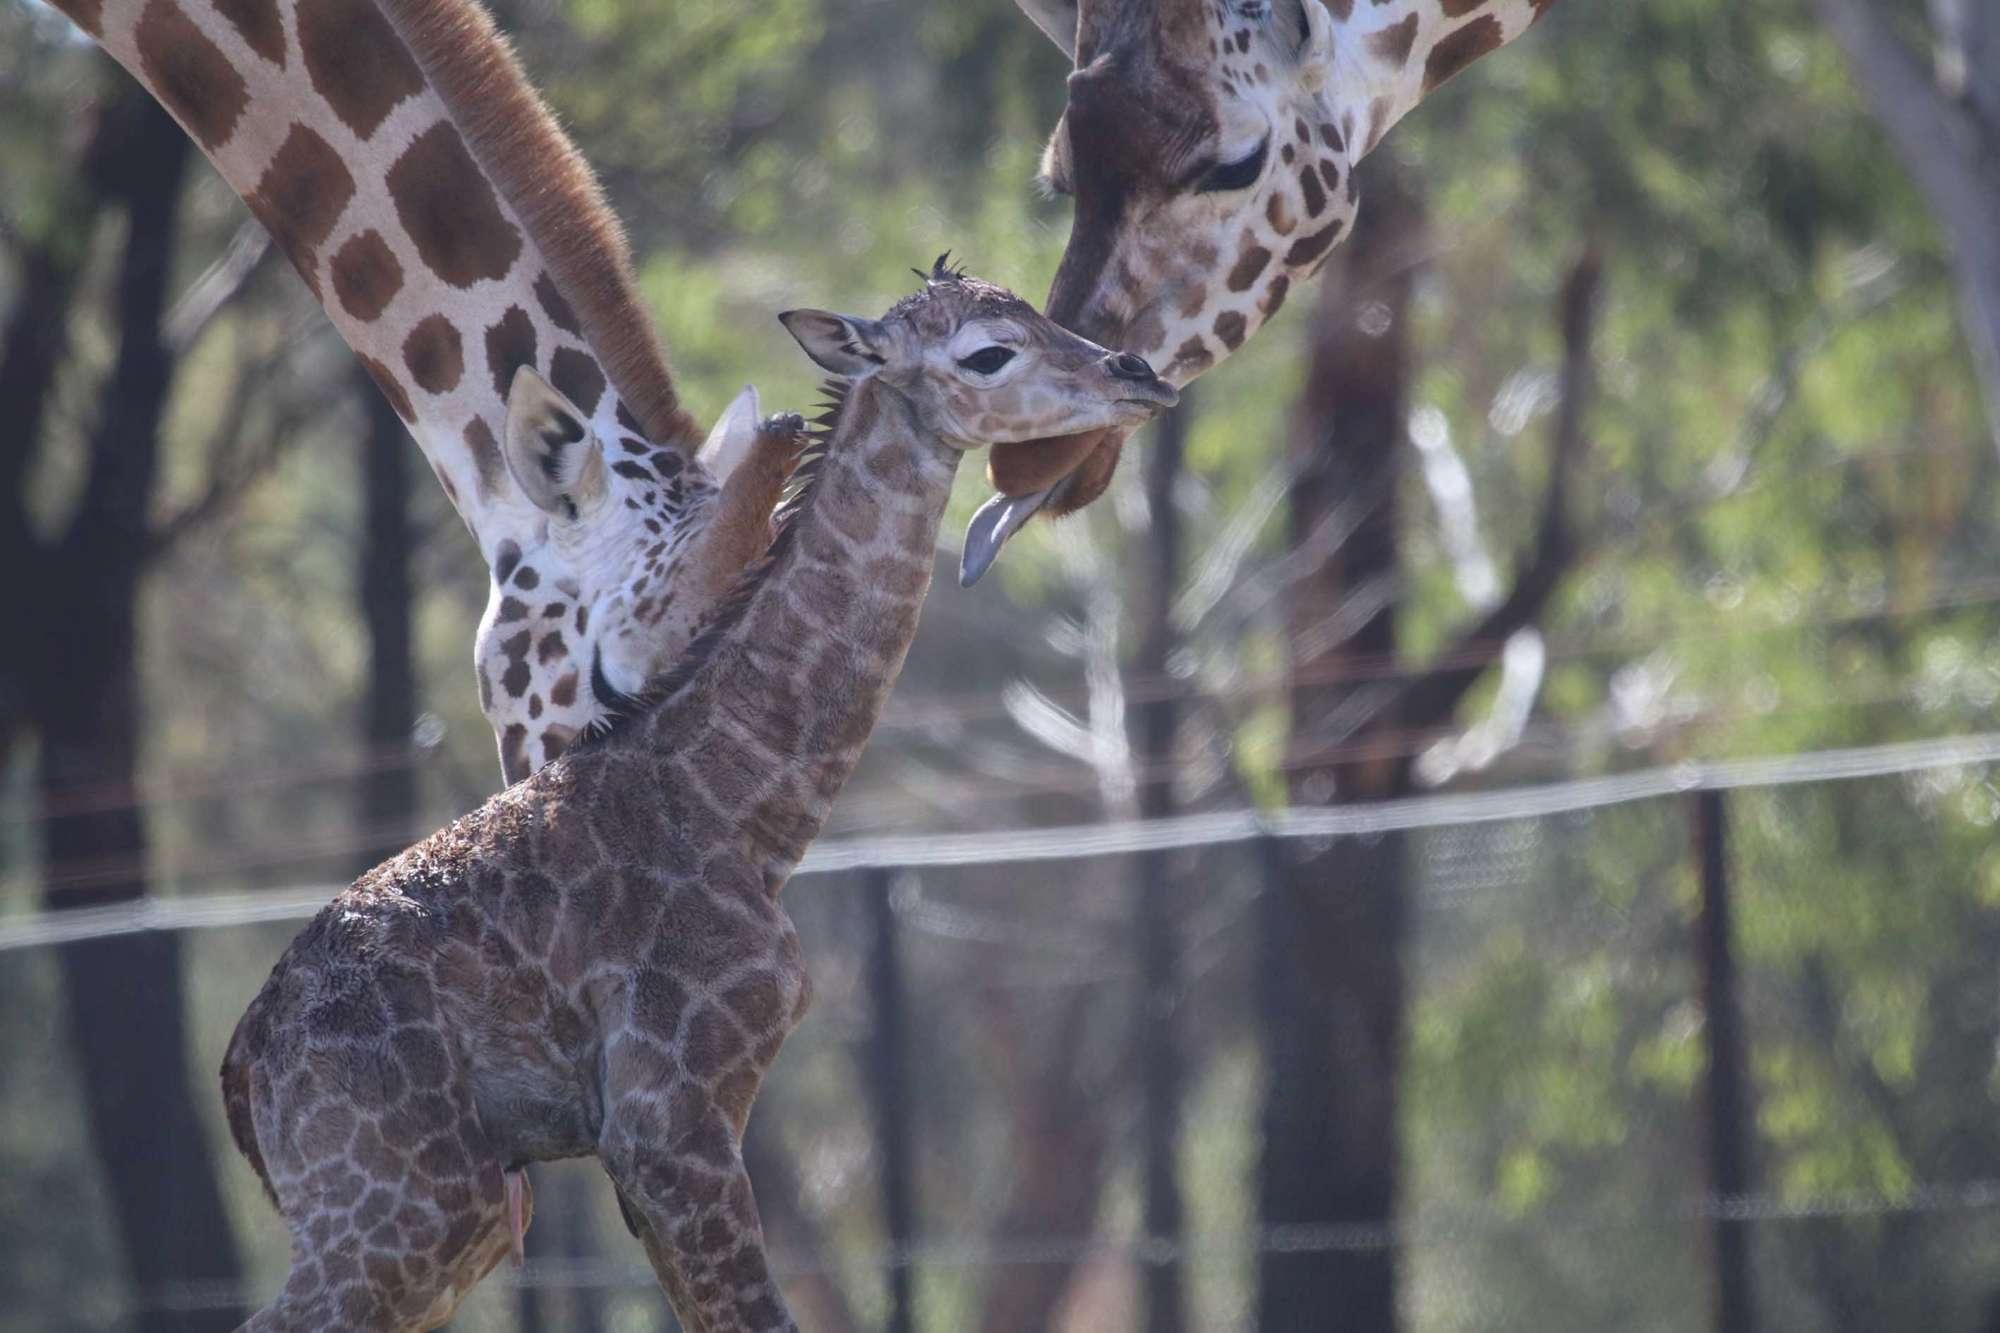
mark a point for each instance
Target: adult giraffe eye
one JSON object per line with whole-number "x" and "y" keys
{"x": 987, "y": 360}
{"x": 1238, "y": 175}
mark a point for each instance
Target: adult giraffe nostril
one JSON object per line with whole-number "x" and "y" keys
{"x": 1128, "y": 366}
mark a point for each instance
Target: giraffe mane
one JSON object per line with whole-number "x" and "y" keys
{"x": 729, "y": 611}
{"x": 517, "y": 143}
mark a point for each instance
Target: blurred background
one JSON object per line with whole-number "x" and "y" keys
{"x": 1490, "y": 826}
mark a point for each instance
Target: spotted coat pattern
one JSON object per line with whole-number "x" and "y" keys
{"x": 327, "y": 117}
{"x": 1167, "y": 94}
{"x": 597, "y": 961}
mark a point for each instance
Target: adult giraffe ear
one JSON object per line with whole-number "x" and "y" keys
{"x": 847, "y": 345}
{"x": 1304, "y": 28}
{"x": 551, "y": 450}
{"x": 1316, "y": 43}
{"x": 735, "y": 431}
{"x": 1056, "y": 18}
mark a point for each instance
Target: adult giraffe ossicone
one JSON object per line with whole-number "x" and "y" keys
{"x": 454, "y": 236}
{"x": 1210, "y": 146}
{"x": 596, "y": 961}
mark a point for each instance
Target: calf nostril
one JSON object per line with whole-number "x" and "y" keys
{"x": 1128, "y": 366}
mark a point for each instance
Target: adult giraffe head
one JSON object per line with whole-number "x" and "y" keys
{"x": 1210, "y": 147}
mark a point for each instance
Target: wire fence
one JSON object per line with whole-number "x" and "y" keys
{"x": 1083, "y": 841}
{"x": 1551, "y": 1108}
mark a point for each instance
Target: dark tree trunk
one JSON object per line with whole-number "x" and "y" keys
{"x": 1061, "y": 1138}
{"x": 388, "y": 797}
{"x": 124, "y": 995}
{"x": 32, "y": 346}
{"x": 1155, "y": 900}
{"x": 1333, "y": 934}
{"x": 1729, "y": 1171}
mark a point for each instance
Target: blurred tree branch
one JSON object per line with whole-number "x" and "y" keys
{"x": 217, "y": 288}
{"x": 1434, "y": 697}
{"x": 1944, "y": 128}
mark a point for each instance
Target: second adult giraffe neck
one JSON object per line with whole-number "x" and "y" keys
{"x": 775, "y": 702}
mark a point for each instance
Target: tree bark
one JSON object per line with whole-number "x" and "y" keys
{"x": 1334, "y": 924}
{"x": 1945, "y": 127}
{"x": 1061, "y": 1140}
{"x": 124, "y": 995}
{"x": 388, "y": 796}
{"x": 32, "y": 346}
{"x": 1331, "y": 935}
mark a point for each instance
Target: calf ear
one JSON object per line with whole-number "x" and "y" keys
{"x": 844, "y": 344}
{"x": 1056, "y": 18}
{"x": 551, "y": 450}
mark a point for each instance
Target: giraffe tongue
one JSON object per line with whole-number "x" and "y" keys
{"x": 1022, "y": 469}
{"x": 1025, "y": 474}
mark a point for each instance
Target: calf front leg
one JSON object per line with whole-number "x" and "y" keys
{"x": 739, "y": 527}
{"x": 685, "y": 1186}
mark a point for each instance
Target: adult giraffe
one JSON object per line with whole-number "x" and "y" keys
{"x": 1210, "y": 146}
{"x": 456, "y": 239}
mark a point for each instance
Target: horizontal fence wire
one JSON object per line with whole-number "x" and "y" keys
{"x": 1082, "y": 841}
{"x": 1439, "y": 1227}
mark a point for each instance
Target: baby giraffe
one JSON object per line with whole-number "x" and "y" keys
{"x": 596, "y": 960}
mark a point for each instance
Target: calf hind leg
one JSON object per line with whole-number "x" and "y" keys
{"x": 395, "y": 1215}
{"x": 686, "y": 1188}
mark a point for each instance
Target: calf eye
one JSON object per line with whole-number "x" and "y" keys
{"x": 1237, "y": 175}
{"x": 987, "y": 360}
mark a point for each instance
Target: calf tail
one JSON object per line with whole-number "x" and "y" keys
{"x": 236, "y": 1100}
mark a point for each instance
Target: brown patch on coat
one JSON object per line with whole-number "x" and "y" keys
{"x": 485, "y": 450}
{"x": 553, "y": 305}
{"x": 1460, "y": 49}
{"x": 392, "y": 389}
{"x": 513, "y": 756}
{"x": 515, "y": 678}
{"x": 1274, "y": 295}
{"x": 366, "y": 276}
{"x": 194, "y": 79}
{"x": 300, "y": 196}
{"x": 1279, "y": 213}
{"x": 88, "y": 15}
{"x": 1308, "y": 248}
{"x": 450, "y": 212}
{"x": 356, "y": 61}
{"x": 575, "y": 375}
{"x": 1392, "y": 44}
{"x": 258, "y": 24}
{"x": 1315, "y": 193}
{"x": 1230, "y": 326}
{"x": 1248, "y": 266}
{"x": 435, "y": 354}
{"x": 510, "y": 344}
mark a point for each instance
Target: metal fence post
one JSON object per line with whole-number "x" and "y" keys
{"x": 889, "y": 1083}
{"x": 1728, "y": 1094}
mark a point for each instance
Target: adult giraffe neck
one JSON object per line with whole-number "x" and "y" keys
{"x": 768, "y": 714}
{"x": 448, "y": 228}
